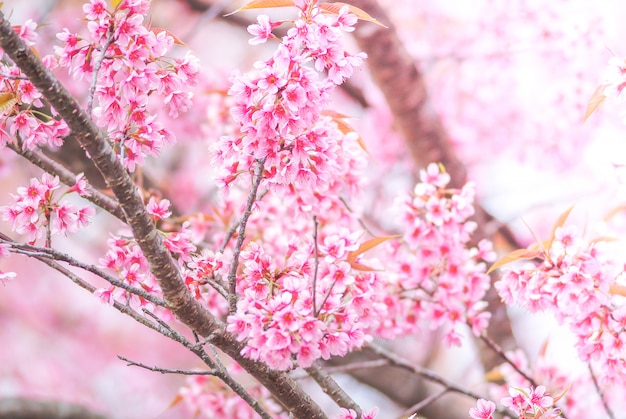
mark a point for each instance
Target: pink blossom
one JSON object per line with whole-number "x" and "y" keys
{"x": 81, "y": 186}
{"x": 28, "y": 33}
{"x": 95, "y": 9}
{"x": 158, "y": 210}
{"x": 484, "y": 409}
{"x": 262, "y": 31}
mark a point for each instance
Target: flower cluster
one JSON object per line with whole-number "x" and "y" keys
{"x": 203, "y": 274}
{"x": 279, "y": 109}
{"x": 527, "y": 403}
{"x": 126, "y": 259}
{"x": 23, "y": 119}
{"x": 133, "y": 76}
{"x": 36, "y": 209}
{"x": 301, "y": 297}
{"x": 439, "y": 277}
{"x": 577, "y": 283}
{"x": 293, "y": 310}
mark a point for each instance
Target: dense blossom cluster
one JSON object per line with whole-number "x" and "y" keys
{"x": 133, "y": 77}
{"x": 439, "y": 277}
{"x": 279, "y": 109}
{"x": 125, "y": 258}
{"x": 576, "y": 283}
{"x": 283, "y": 316}
{"x": 37, "y": 210}
{"x": 300, "y": 299}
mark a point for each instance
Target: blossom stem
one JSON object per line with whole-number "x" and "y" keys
{"x": 96, "y": 68}
{"x": 252, "y": 197}
{"x": 605, "y": 404}
{"x": 316, "y": 266}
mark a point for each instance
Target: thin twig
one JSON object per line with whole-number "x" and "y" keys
{"x": 170, "y": 333}
{"x": 49, "y": 253}
{"x": 316, "y": 266}
{"x": 200, "y": 343}
{"x": 12, "y": 77}
{"x": 222, "y": 373}
{"x": 233, "y": 228}
{"x": 164, "y": 370}
{"x": 607, "y": 408}
{"x": 96, "y": 67}
{"x": 217, "y": 286}
{"x": 120, "y": 307}
{"x": 229, "y": 235}
{"x": 232, "y": 273}
{"x": 332, "y": 389}
{"x": 497, "y": 349}
{"x": 423, "y": 403}
{"x": 159, "y": 321}
{"x": 399, "y": 362}
{"x": 330, "y": 290}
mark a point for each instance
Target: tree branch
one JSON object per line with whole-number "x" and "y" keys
{"x": 179, "y": 299}
{"x": 164, "y": 370}
{"x": 332, "y": 389}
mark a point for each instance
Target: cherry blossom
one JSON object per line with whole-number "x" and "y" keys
{"x": 484, "y": 409}
{"x": 36, "y": 210}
